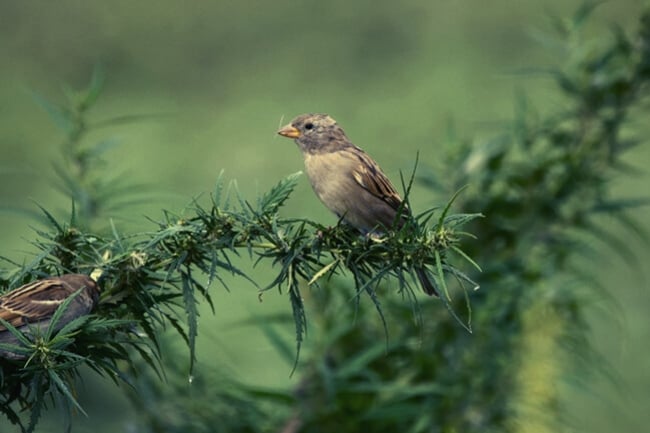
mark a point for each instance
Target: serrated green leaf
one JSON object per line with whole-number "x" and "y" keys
{"x": 270, "y": 202}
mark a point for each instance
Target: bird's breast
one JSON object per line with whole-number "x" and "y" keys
{"x": 330, "y": 180}
{"x": 333, "y": 180}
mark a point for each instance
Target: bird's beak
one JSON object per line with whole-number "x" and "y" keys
{"x": 289, "y": 131}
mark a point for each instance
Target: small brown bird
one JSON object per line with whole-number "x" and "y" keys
{"x": 33, "y": 304}
{"x": 347, "y": 180}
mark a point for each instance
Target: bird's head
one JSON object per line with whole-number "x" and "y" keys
{"x": 315, "y": 133}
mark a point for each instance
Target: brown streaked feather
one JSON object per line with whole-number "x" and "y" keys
{"x": 39, "y": 300}
{"x": 370, "y": 177}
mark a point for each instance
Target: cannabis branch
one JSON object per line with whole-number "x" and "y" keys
{"x": 150, "y": 281}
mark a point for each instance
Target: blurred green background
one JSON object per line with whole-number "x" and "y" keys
{"x": 221, "y": 77}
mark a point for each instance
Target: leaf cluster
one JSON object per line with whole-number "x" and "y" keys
{"x": 154, "y": 280}
{"x": 542, "y": 186}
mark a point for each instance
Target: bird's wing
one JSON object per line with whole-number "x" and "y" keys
{"x": 369, "y": 176}
{"x": 33, "y": 302}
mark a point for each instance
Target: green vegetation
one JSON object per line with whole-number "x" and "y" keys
{"x": 543, "y": 184}
{"x": 145, "y": 277}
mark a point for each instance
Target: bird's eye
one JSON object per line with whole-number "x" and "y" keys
{"x": 309, "y": 126}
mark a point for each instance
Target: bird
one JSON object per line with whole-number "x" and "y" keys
{"x": 347, "y": 180}
{"x": 30, "y": 307}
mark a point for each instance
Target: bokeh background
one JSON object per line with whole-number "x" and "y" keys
{"x": 219, "y": 78}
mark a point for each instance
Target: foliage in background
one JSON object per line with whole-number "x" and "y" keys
{"x": 539, "y": 184}
{"x": 154, "y": 280}
{"x": 542, "y": 185}
{"x": 208, "y": 402}
{"x": 98, "y": 192}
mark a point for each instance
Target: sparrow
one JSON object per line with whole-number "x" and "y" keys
{"x": 33, "y": 304}
{"x": 347, "y": 180}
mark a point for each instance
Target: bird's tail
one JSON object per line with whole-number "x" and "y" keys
{"x": 427, "y": 285}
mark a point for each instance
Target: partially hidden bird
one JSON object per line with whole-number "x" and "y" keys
{"x": 347, "y": 180}
{"x": 30, "y": 307}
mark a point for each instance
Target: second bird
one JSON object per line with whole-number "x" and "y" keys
{"x": 346, "y": 179}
